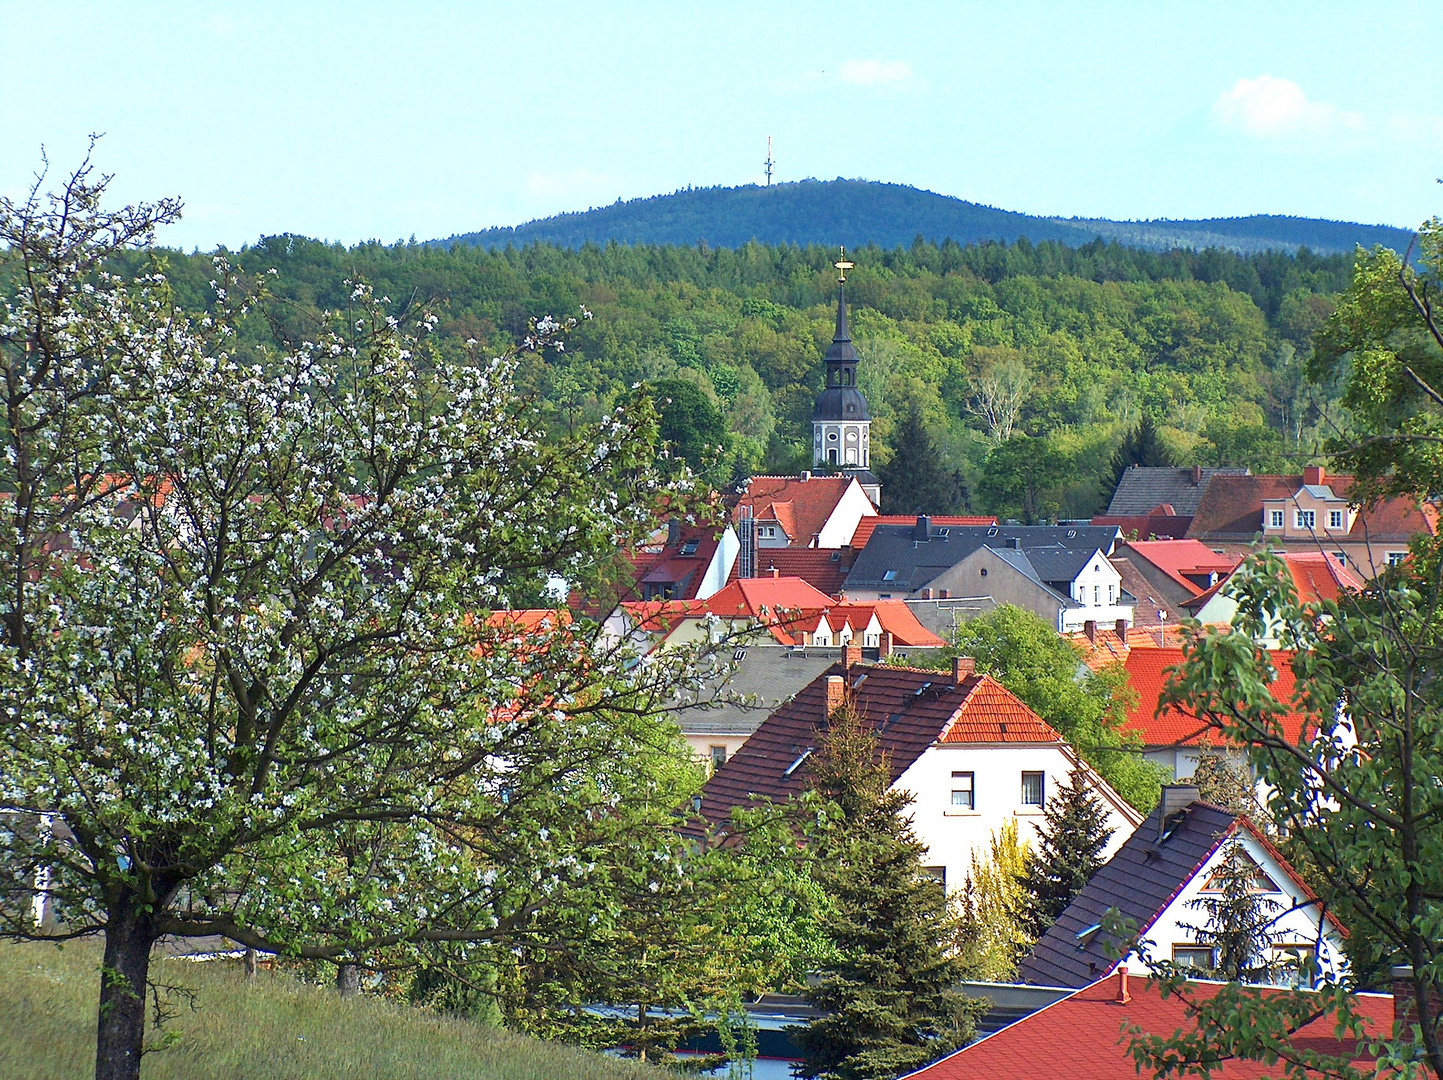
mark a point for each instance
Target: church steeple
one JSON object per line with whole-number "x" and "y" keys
{"x": 841, "y": 421}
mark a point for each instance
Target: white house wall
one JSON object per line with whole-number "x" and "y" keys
{"x": 952, "y": 834}
{"x": 728, "y": 547}
{"x": 1297, "y": 926}
{"x": 841, "y": 525}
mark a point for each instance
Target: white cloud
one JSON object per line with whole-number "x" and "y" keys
{"x": 1268, "y": 107}
{"x": 875, "y": 72}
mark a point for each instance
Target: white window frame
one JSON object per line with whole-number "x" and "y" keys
{"x": 1275, "y": 519}
{"x": 1305, "y": 519}
{"x": 1041, "y": 778}
{"x": 964, "y": 784}
{"x": 1335, "y": 519}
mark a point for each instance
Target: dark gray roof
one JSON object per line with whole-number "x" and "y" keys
{"x": 1146, "y": 487}
{"x": 913, "y": 562}
{"x": 1060, "y": 564}
{"x": 1139, "y": 881}
{"x": 841, "y": 403}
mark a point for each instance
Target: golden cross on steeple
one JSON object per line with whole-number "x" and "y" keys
{"x": 842, "y": 266}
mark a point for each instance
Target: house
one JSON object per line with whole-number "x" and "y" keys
{"x": 1314, "y": 575}
{"x": 971, "y": 755}
{"x": 684, "y": 562}
{"x": 809, "y": 510}
{"x": 1157, "y": 880}
{"x": 1068, "y": 587}
{"x": 1078, "y": 1036}
{"x": 912, "y": 560}
{"x": 1153, "y": 614}
{"x": 1179, "y": 570}
{"x": 1309, "y": 512}
{"x": 1175, "y": 738}
{"x": 1143, "y": 490}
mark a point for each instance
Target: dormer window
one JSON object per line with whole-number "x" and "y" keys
{"x": 1275, "y": 519}
{"x": 1305, "y": 519}
{"x": 1335, "y": 519}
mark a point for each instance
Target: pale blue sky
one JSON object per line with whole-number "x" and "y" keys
{"x": 357, "y": 120}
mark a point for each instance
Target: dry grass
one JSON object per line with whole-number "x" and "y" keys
{"x": 273, "y": 1028}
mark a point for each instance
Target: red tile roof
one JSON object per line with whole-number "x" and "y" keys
{"x": 659, "y": 563}
{"x": 909, "y": 709}
{"x": 898, "y": 620}
{"x": 1079, "y": 1037}
{"x": 662, "y": 616}
{"x": 749, "y": 596}
{"x": 801, "y": 506}
{"x": 1152, "y": 608}
{"x": 1177, "y": 558}
{"x": 1147, "y": 671}
{"x": 823, "y": 568}
{"x": 868, "y": 524}
{"x": 1320, "y": 576}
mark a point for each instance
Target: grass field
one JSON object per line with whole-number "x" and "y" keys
{"x": 272, "y": 1028}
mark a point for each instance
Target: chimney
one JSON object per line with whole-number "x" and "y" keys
{"x": 884, "y": 647}
{"x": 1123, "y": 997}
{"x": 851, "y": 654}
{"x": 1015, "y": 543}
{"x": 1122, "y": 630}
{"x": 963, "y": 668}
{"x": 1090, "y": 629}
{"x": 922, "y": 528}
{"x": 1175, "y": 797}
{"x": 944, "y": 594}
{"x": 927, "y": 594}
{"x": 806, "y": 476}
{"x": 1197, "y": 474}
{"x": 1405, "y": 997}
{"x": 836, "y": 695}
{"x": 775, "y": 572}
{"x": 1313, "y": 474}
{"x": 673, "y": 532}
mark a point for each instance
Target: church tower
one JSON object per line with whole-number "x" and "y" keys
{"x": 841, "y": 421}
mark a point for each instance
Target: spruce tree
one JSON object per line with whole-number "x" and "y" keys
{"x": 1241, "y": 924}
{"x": 917, "y": 478}
{"x": 887, "y": 1002}
{"x": 1068, "y": 851}
{"x": 1142, "y": 445}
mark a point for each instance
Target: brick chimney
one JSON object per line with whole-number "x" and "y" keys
{"x": 851, "y": 654}
{"x": 1405, "y": 997}
{"x": 927, "y": 594}
{"x": 1313, "y": 474}
{"x": 1090, "y": 629}
{"x": 884, "y": 646}
{"x": 774, "y": 572}
{"x": 836, "y": 695}
{"x": 963, "y": 668}
{"x": 944, "y": 594}
{"x": 1197, "y": 474}
{"x": 1122, "y": 630}
{"x": 1123, "y": 997}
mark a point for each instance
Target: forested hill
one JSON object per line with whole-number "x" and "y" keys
{"x": 857, "y": 212}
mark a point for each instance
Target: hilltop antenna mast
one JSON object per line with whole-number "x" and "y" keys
{"x": 769, "y": 162}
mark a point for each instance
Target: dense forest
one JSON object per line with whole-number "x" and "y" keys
{"x": 1003, "y": 378}
{"x": 889, "y": 215}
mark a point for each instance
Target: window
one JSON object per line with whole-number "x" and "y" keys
{"x": 1275, "y": 519}
{"x": 1096, "y": 595}
{"x": 963, "y": 796}
{"x": 832, "y": 455}
{"x": 718, "y": 756}
{"x": 890, "y": 575}
{"x": 1305, "y": 519}
{"x": 1395, "y": 558}
{"x": 1033, "y": 788}
{"x": 1193, "y": 956}
{"x": 1109, "y": 593}
{"x": 1335, "y": 519}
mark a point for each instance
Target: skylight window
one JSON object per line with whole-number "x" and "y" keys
{"x": 689, "y": 548}
{"x": 794, "y": 766}
{"x": 890, "y": 575}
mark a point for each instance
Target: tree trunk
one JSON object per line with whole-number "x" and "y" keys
{"x": 129, "y": 935}
{"x": 250, "y": 963}
{"x": 348, "y": 980}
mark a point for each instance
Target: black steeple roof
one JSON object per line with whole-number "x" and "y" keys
{"x": 841, "y": 400}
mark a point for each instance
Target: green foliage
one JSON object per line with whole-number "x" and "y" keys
{"x": 692, "y": 426}
{"x": 993, "y": 932}
{"x": 270, "y": 1028}
{"x": 887, "y": 1001}
{"x": 1068, "y": 851}
{"x": 1240, "y": 923}
{"x": 1022, "y": 652}
{"x": 1023, "y": 478}
{"x": 916, "y": 476}
{"x": 1143, "y": 445}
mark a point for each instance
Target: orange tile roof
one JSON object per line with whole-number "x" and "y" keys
{"x": 823, "y": 568}
{"x": 866, "y": 526}
{"x": 1147, "y": 672}
{"x": 991, "y": 713}
{"x": 1320, "y": 576}
{"x": 1078, "y": 1037}
{"x": 662, "y": 616}
{"x": 800, "y": 505}
{"x": 1232, "y": 508}
{"x": 898, "y": 620}
{"x": 749, "y": 596}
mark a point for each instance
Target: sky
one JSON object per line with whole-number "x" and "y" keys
{"x": 361, "y": 121}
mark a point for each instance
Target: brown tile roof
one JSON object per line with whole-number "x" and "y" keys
{"x": 825, "y": 569}
{"x": 800, "y": 505}
{"x": 1149, "y": 600}
{"x": 909, "y": 709}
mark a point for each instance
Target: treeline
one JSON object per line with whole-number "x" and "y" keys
{"x": 1015, "y": 371}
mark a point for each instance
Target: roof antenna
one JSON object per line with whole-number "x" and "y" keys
{"x": 769, "y": 163}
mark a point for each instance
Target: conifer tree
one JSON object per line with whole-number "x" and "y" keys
{"x": 887, "y": 1002}
{"x": 917, "y": 478}
{"x": 1068, "y": 851}
{"x": 1241, "y": 922}
{"x": 1142, "y": 445}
